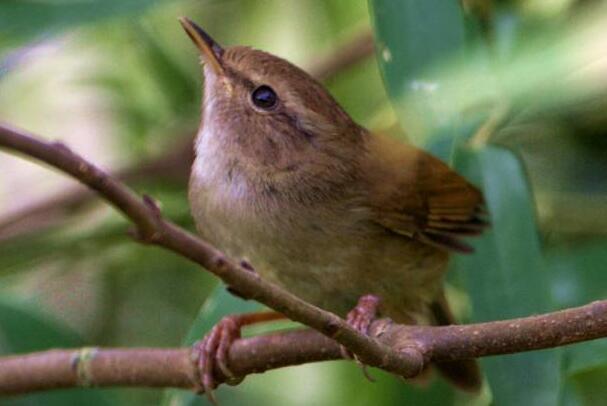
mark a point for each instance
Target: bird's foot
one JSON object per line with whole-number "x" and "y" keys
{"x": 360, "y": 319}
{"x": 211, "y": 353}
{"x": 213, "y": 350}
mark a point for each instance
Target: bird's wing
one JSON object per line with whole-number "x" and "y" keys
{"x": 416, "y": 195}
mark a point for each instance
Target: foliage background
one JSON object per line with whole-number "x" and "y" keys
{"x": 511, "y": 93}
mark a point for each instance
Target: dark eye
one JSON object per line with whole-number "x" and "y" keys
{"x": 264, "y": 97}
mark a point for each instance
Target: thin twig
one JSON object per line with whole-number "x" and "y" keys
{"x": 173, "y": 167}
{"x": 355, "y": 50}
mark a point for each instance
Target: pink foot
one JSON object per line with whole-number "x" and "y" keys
{"x": 360, "y": 319}
{"x": 213, "y": 350}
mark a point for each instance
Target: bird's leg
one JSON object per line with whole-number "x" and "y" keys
{"x": 363, "y": 314}
{"x": 214, "y": 347}
{"x": 360, "y": 319}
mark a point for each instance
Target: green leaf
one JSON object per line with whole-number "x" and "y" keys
{"x": 412, "y": 36}
{"x": 442, "y": 76}
{"x": 24, "y": 329}
{"x": 590, "y": 388}
{"x": 390, "y": 390}
{"x": 578, "y": 274}
{"x": 23, "y": 20}
{"x": 178, "y": 88}
{"x": 506, "y": 277}
{"x": 220, "y": 303}
{"x": 578, "y": 278}
{"x": 415, "y": 39}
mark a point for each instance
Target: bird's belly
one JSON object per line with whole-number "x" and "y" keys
{"x": 335, "y": 277}
{"x": 333, "y": 273}
{"x": 328, "y": 266}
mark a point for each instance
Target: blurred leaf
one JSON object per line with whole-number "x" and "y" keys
{"x": 506, "y": 276}
{"x": 411, "y": 38}
{"x": 590, "y": 387}
{"x": 24, "y": 20}
{"x": 570, "y": 190}
{"x": 24, "y": 253}
{"x": 578, "y": 278}
{"x": 413, "y": 35}
{"x": 23, "y": 329}
{"x": 360, "y": 92}
{"x": 530, "y": 65}
{"x": 569, "y": 395}
{"x": 343, "y": 14}
{"x": 391, "y": 390}
{"x": 438, "y": 90}
{"x": 578, "y": 273}
{"x": 584, "y": 357}
{"x": 179, "y": 89}
{"x": 60, "y": 242}
{"x": 414, "y": 38}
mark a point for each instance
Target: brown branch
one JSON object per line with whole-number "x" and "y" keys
{"x": 175, "y": 165}
{"x": 174, "y": 368}
{"x": 153, "y": 229}
{"x": 172, "y": 167}
{"x": 353, "y": 51}
{"x": 150, "y": 367}
{"x": 450, "y": 343}
{"x": 404, "y": 350}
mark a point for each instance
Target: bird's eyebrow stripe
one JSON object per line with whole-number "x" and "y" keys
{"x": 290, "y": 119}
{"x": 241, "y": 79}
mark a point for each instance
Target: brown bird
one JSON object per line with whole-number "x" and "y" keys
{"x": 330, "y": 211}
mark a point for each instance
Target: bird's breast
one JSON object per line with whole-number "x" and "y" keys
{"x": 328, "y": 253}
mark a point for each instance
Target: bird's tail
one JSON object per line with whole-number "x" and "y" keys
{"x": 464, "y": 374}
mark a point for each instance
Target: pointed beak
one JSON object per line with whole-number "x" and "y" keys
{"x": 210, "y": 50}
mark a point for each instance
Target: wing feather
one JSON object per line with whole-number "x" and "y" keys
{"x": 424, "y": 199}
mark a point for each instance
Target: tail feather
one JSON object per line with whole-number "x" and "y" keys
{"x": 464, "y": 374}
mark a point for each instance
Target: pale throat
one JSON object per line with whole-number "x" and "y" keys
{"x": 219, "y": 172}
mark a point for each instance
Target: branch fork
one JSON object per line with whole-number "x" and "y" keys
{"x": 403, "y": 350}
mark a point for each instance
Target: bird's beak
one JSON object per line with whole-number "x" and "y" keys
{"x": 210, "y": 50}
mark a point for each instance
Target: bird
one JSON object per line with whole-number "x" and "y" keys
{"x": 355, "y": 222}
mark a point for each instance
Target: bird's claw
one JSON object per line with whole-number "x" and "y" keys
{"x": 212, "y": 351}
{"x": 360, "y": 319}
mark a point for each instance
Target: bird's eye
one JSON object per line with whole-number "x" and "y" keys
{"x": 264, "y": 97}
